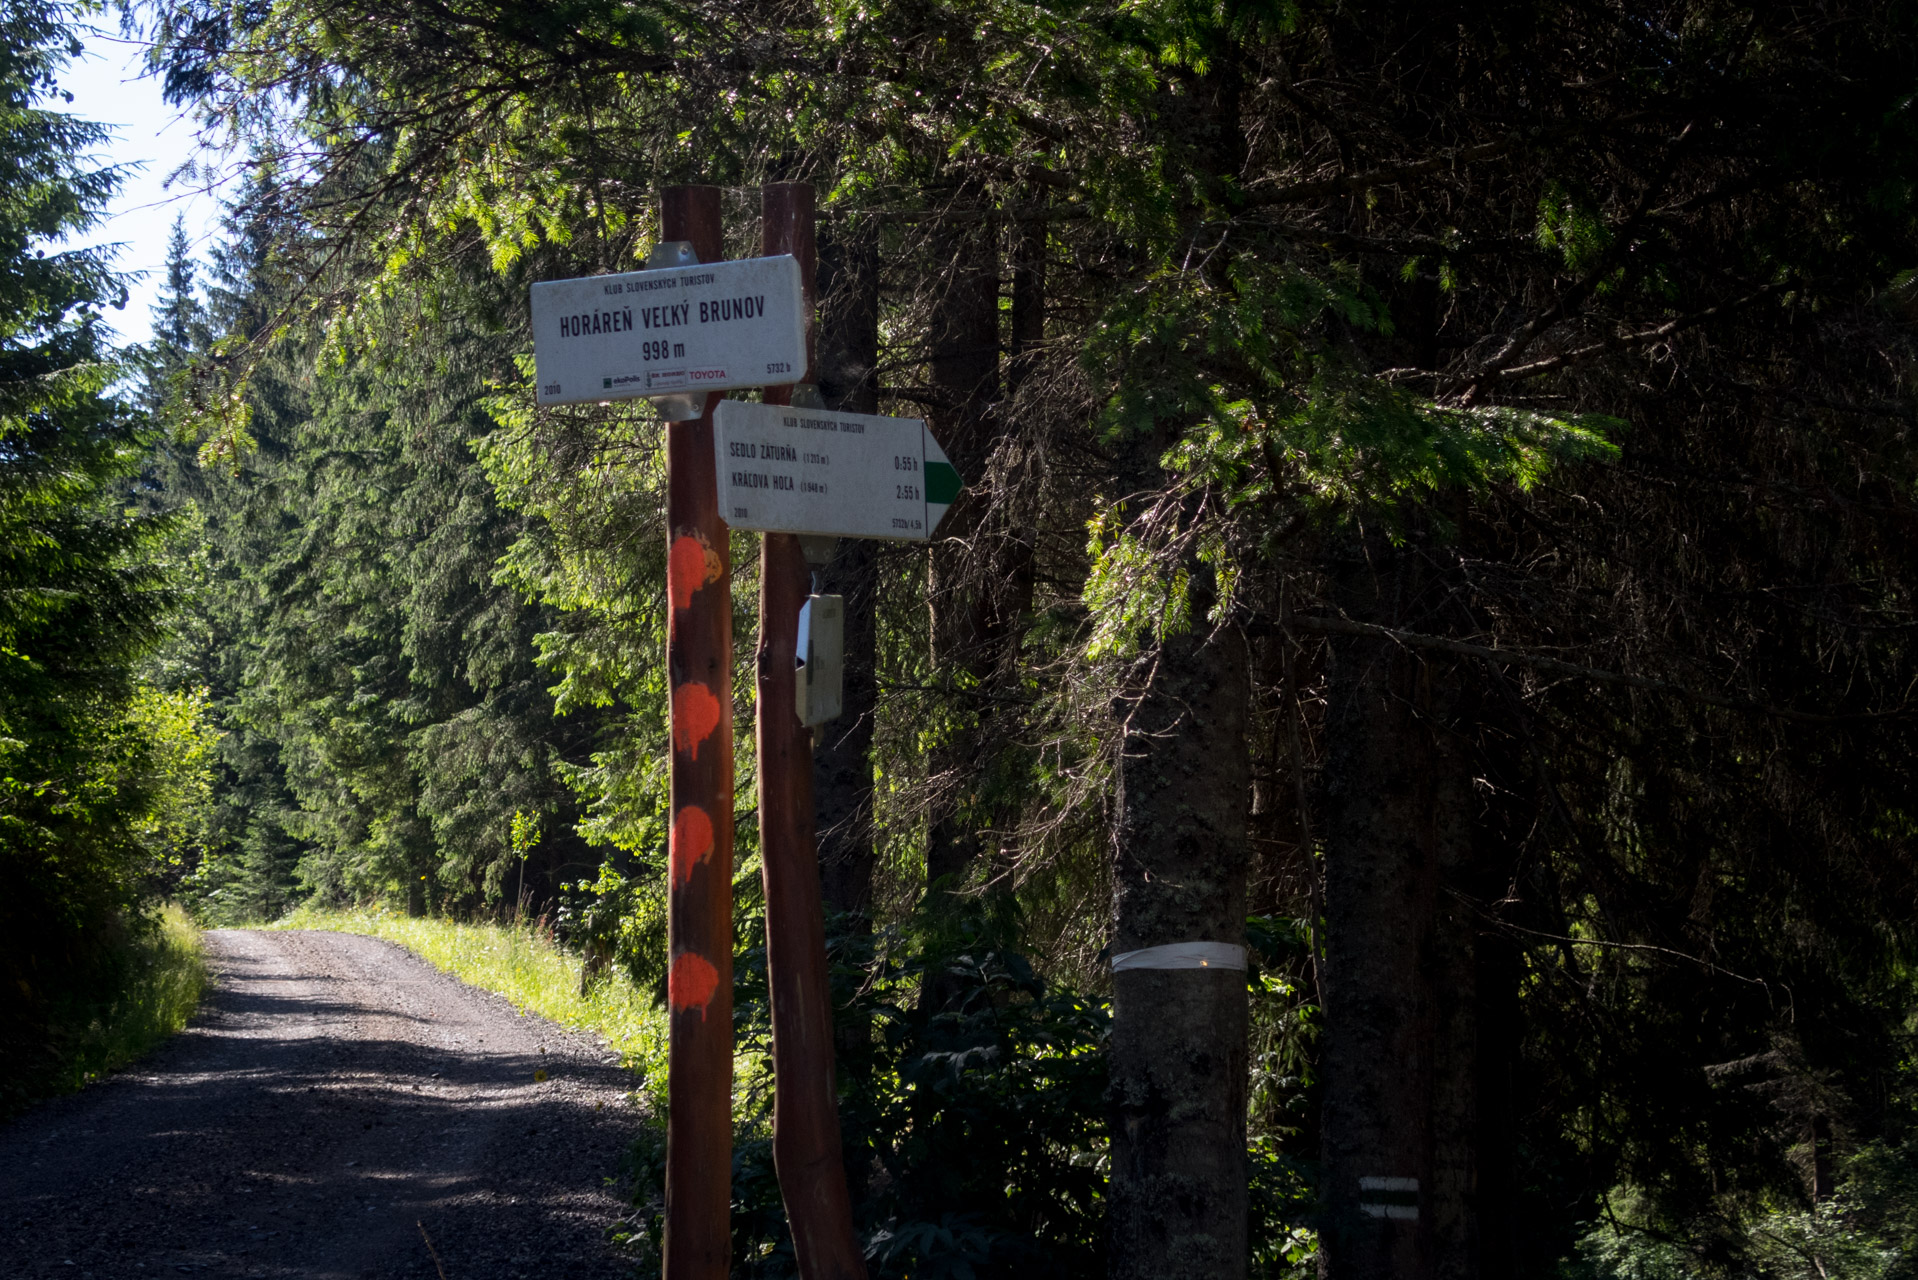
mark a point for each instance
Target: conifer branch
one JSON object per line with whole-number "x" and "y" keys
{"x": 1557, "y": 666}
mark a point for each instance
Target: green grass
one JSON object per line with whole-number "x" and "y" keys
{"x": 523, "y": 965}
{"x": 163, "y": 976}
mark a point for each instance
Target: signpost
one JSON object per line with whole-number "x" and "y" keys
{"x": 817, "y": 471}
{"x": 674, "y": 333}
{"x": 806, "y": 1147}
{"x": 710, "y": 326}
{"x": 699, "y": 903}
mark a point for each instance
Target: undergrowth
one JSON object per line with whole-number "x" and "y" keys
{"x": 525, "y": 965}
{"x": 144, "y": 992}
{"x": 973, "y": 1120}
{"x": 972, "y": 1113}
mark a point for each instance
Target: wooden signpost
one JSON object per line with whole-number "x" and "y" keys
{"x": 673, "y": 333}
{"x": 806, "y": 1149}
{"x": 699, "y": 915}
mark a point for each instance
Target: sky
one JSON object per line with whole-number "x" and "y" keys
{"x": 107, "y": 88}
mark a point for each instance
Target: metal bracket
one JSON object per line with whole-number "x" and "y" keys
{"x": 689, "y": 405}
{"x": 819, "y": 550}
{"x": 672, "y": 253}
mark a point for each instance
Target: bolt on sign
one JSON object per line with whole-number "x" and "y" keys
{"x": 706, "y": 327}
{"x": 818, "y": 471}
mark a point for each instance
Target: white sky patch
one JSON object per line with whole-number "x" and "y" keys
{"x": 107, "y": 88}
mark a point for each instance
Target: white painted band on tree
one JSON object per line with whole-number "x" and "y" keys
{"x": 1400, "y": 1202}
{"x": 1182, "y": 955}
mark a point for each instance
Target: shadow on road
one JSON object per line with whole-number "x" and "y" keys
{"x": 335, "y": 1093}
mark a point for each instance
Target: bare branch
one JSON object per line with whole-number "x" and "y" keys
{"x": 1558, "y": 666}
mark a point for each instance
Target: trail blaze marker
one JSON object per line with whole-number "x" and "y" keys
{"x": 818, "y": 471}
{"x": 705, "y": 327}
{"x": 699, "y": 911}
{"x": 673, "y": 333}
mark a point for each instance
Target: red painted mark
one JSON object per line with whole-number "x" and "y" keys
{"x": 690, "y": 565}
{"x": 695, "y": 716}
{"x": 691, "y": 983}
{"x": 692, "y": 842}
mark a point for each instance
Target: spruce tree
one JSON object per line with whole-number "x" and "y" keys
{"x": 1529, "y": 384}
{"x": 81, "y": 598}
{"x": 180, "y": 329}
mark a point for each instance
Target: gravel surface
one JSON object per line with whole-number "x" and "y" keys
{"x": 334, "y": 1092}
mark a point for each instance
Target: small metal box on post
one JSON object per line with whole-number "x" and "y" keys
{"x": 819, "y": 684}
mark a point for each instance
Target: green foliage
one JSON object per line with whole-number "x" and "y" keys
{"x": 617, "y": 920}
{"x": 97, "y": 776}
{"x": 182, "y": 743}
{"x": 1866, "y": 1230}
{"x": 1298, "y": 268}
{"x": 1568, "y": 223}
{"x": 146, "y": 990}
{"x": 593, "y": 556}
{"x": 1135, "y": 598}
{"x": 162, "y": 976}
{"x": 387, "y": 736}
{"x": 1828, "y": 1242}
{"x": 520, "y": 960}
{"x": 974, "y": 1134}
{"x": 1259, "y": 362}
{"x": 988, "y": 1113}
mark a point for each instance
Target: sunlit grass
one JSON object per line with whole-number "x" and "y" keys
{"x": 163, "y": 979}
{"x": 523, "y": 965}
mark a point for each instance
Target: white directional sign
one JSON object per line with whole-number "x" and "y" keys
{"x": 646, "y": 333}
{"x": 850, "y": 475}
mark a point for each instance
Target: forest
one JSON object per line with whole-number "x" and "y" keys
{"x": 1440, "y": 515}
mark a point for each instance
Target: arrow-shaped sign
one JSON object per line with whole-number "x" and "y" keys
{"x": 818, "y": 471}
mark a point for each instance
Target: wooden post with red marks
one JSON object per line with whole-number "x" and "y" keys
{"x": 806, "y": 1150}
{"x": 699, "y": 928}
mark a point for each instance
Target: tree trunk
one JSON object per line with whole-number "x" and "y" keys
{"x": 848, "y": 353}
{"x": 1380, "y": 878}
{"x": 1176, "y": 1206}
{"x": 1452, "y": 993}
{"x": 1412, "y": 987}
{"x": 964, "y": 363}
{"x": 1028, "y": 297}
{"x": 806, "y": 1142}
{"x": 845, "y": 366}
{"x": 1497, "y": 1046}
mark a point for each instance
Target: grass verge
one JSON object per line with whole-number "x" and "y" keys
{"x": 160, "y": 981}
{"x": 521, "y": 964}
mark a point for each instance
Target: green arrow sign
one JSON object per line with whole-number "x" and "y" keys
{"x": 817, "y": 471}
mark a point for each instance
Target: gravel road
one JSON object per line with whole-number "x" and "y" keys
{"x": 334, "y": 1092}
